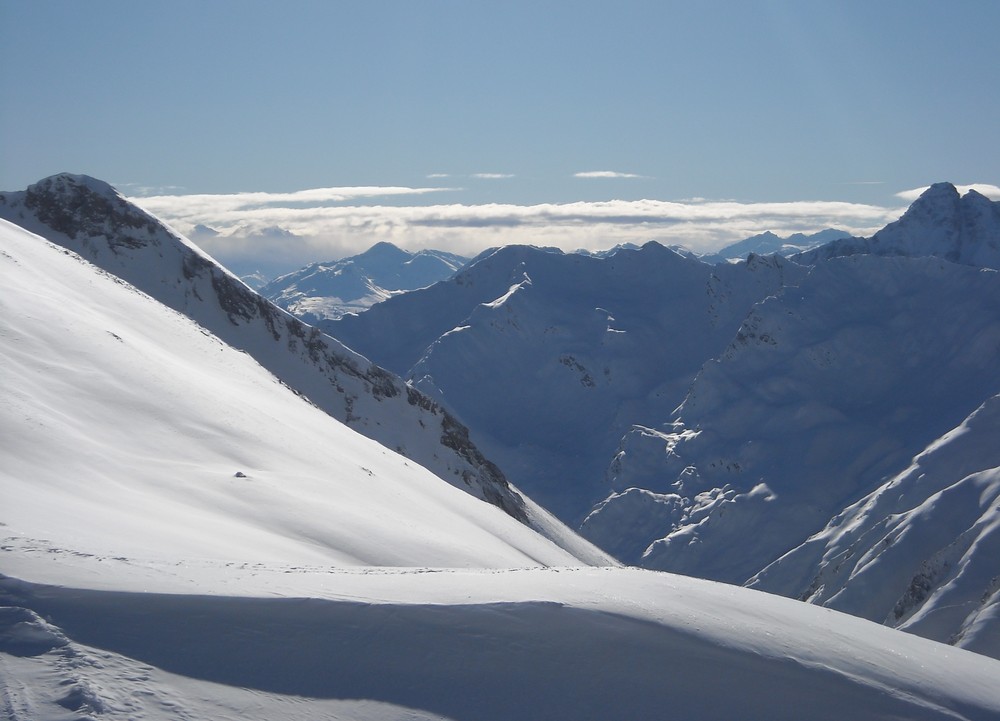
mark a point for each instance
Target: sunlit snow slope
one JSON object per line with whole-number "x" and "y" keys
{"x": 88, "y": 216}
{"x": 126, "y": 427}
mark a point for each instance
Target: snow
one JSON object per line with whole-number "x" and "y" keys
{"x": 918, "y": 552}
{"x": 478, "y": 644}
{"x": 126, "y": 422}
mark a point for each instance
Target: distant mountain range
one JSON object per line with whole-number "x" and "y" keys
{"x": 329, "y": 290}
{"x": 768, "y": 243}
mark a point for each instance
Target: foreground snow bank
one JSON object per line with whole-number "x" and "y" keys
{"x": 467, "y": 644}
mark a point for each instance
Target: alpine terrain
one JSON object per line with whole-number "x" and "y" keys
{"x": 709, "y": 419}
{"x": 196, "y": 525}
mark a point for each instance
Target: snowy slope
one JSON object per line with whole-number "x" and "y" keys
{"x": 128, "y": 428}
{"x": 88, "y": 216}
{"x": 829, "y": 389}
{"x": 921, "y": 551}
{"x": 351, "y": 285}
{"x": 552, "y": 357}
{"x": 941, "y": 223}
{"x": 278, "y": 642}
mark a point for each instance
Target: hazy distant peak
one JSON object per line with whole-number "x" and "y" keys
{"x": 769, "y": 242}
{"x": 384, "y": 250}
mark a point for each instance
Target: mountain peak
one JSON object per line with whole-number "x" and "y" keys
{"x": 79, "y": 207}
{"x": 940, "y": 223}
{"x": 70, "y": 183}
{"x": 384, "y": 250}
{"x": 938, "y": 199}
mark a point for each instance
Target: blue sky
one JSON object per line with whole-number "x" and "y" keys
{"x": 518, "y": 104}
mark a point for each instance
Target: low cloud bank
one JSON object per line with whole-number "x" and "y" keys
{"x": 294, "y": 229}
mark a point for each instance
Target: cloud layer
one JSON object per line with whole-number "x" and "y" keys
{"x": 329, "y": 223}
{"x": 605, "y": 174}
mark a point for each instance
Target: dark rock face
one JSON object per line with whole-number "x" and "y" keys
{"x": 81, "y": 207}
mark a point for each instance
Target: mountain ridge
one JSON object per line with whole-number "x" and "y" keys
{"x": 341, "y": 382}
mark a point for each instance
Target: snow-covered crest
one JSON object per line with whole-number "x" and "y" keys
{"x": 89, "y": 217}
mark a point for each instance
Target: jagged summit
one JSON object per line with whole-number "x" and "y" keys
{"x": 941, "y": 223}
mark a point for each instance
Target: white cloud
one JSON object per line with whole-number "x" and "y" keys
{"x": 990, "y": 191}
{"x": 326, "y": 232}
{"x": 605, "y": 174}
{"x": 207, "y": 204}
{"x": 492, "y": 176}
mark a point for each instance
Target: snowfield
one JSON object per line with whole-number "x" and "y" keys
{"x": 473, "y": 644}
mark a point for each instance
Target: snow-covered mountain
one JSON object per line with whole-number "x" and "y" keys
{"x": 768, "y": 243}
{"x": 89, "y": 217}
{"x": 832, "y": 446}
{"x": 255, "y": 280}
{"x": 183, "y": 536}
{"x": 940, "y": 223}
{"x": 329, "y": 290}
{"x": 810, "y": 390}
{"x": 828, "y": 389}
{"x": 141, "y": 576}
{"x": 552, "y": 357}
{"x": 920, "y": 552}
